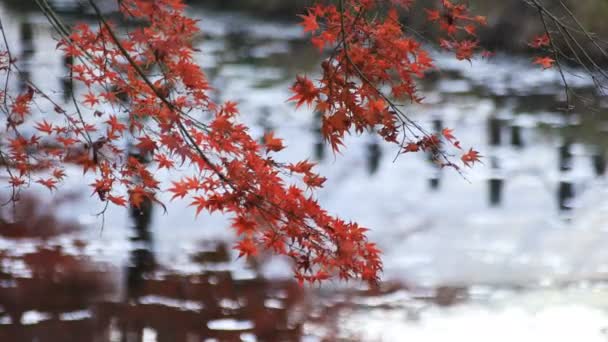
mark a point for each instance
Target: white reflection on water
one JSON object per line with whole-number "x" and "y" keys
{"x": 429, "y": 237}
{"x": 543, "y": 315}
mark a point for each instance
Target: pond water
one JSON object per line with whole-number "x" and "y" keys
{"x": 514, "y": 250}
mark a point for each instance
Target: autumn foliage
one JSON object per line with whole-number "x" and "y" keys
{"x": 145, "y": 89}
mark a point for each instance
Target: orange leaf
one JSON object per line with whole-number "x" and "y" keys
{"x": 470, "y": 157}
{"x": 246, "y": 247}
{"x": 163, "y": 161}
{"x": 447, "y": 133}
{"x": 545, "y": 62}
{"x": 310, "y": 22}
{"x": 540, "y": 41}
{"x": 411, "y": 147}
{"x": 45, "y": 127}
{"x": 272, "y": 143}
{"x": 179, "y": 189}
{"x": 200, "y": 203}
{"x": 50, "y": 183}
{"x": 118, "y": 200}
{"x": 305, "y": 91}
{"x": 90, "y": 99}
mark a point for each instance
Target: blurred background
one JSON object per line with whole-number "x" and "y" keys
{"x": 513, "y": 251}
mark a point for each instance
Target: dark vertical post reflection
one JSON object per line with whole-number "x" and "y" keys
{"x": 26, "y": 34}
{"x": 494, "y": 127}
{"x": 599, "y": 163}
{"x": 27, "y": 38}
{"x": 319, "y": 144}
{"x": 142, "y": 261}
{"x": 374, "y": 154}
{"x": 66, "y": 81}
{"x": 496, "y": 186}
{"x": 264, "y": 122}
{"x": 565, "y": 194}
{"x": 565, "y": 191}
{"x": 142, "y": 255}
{"x": 435, "y": 180}
{"x": 565, "y": 156}
{"x": 516, "y": 138}
{"x": 437, "y": 125}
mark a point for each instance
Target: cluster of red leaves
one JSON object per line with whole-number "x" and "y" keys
{"x": 459, "y": 28}
{"x": 156, "y": 97}
{"x": 372, "y": 52}
{"x": 542, "y": 42}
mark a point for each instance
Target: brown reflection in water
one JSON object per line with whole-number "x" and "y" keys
{"x": 332, "y": 306}
{"x": 43, "y": 288}
{"x": 54, "y": 293}
{"x": 39, "y": 305}
{"x": 28, "y": 218}
{"x": 211, "y": 304}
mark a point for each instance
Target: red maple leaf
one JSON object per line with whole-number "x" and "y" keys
{"x": 540, "y": 41}
{"x": 432, "y": 15}
{"x": 163, "y": 161}
{"x": 272, "y": 143}
{"x": 50, "y": 183}
{"x": 179, "y": 189}
{"x": 470, "y": 157}
{"x": 200, "y": 203}
{"x": 90, "y": 99}
{"x": 447, "y": 133}
{"x": 146, "y": 144}
{"x": 309, "y": 23}
{"x": 545, "y": 62}
{"x": 45, "y": 127}
{"x": 246, "y": 247}
{"x": 305, "y": 91}
{"x": 115, "y": 125}
{"x": 118, "y": 200}
{"x": 411, "y": 147}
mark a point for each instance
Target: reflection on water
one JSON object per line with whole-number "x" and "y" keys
{"x": 494, "y": 128}
{"x": 374, "y": 156}
{"x": 50, "y": 294}
{"x": 443, "y": 235}
{"x": 67, "y": 85}
{"x": 495, "y": 191}
{"x": 319, "y": 144}
{"x": 46, "y": 293}
{"x": 435, "y": 179}
{"x": 599, "y": 163}
{"x": 27, "y": 51}
{"x": 142, "y": 261}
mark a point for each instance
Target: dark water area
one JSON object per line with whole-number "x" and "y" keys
{"x": 515, "y": 250}
{"x": 50, "y": 294}
{"x": 56, "y": 292}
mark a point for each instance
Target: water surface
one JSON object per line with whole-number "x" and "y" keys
{"x": 514, "y": 250}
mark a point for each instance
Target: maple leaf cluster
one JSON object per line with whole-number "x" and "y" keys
{"x": 157, "y": 98}
{"x": 144, "y": 89}
{"x": 458, "y": 27}
{"x": 370, "y": 52}
{"x": 543, "y": 42}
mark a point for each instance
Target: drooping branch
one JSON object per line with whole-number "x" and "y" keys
{"x": 568, "y": 42}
